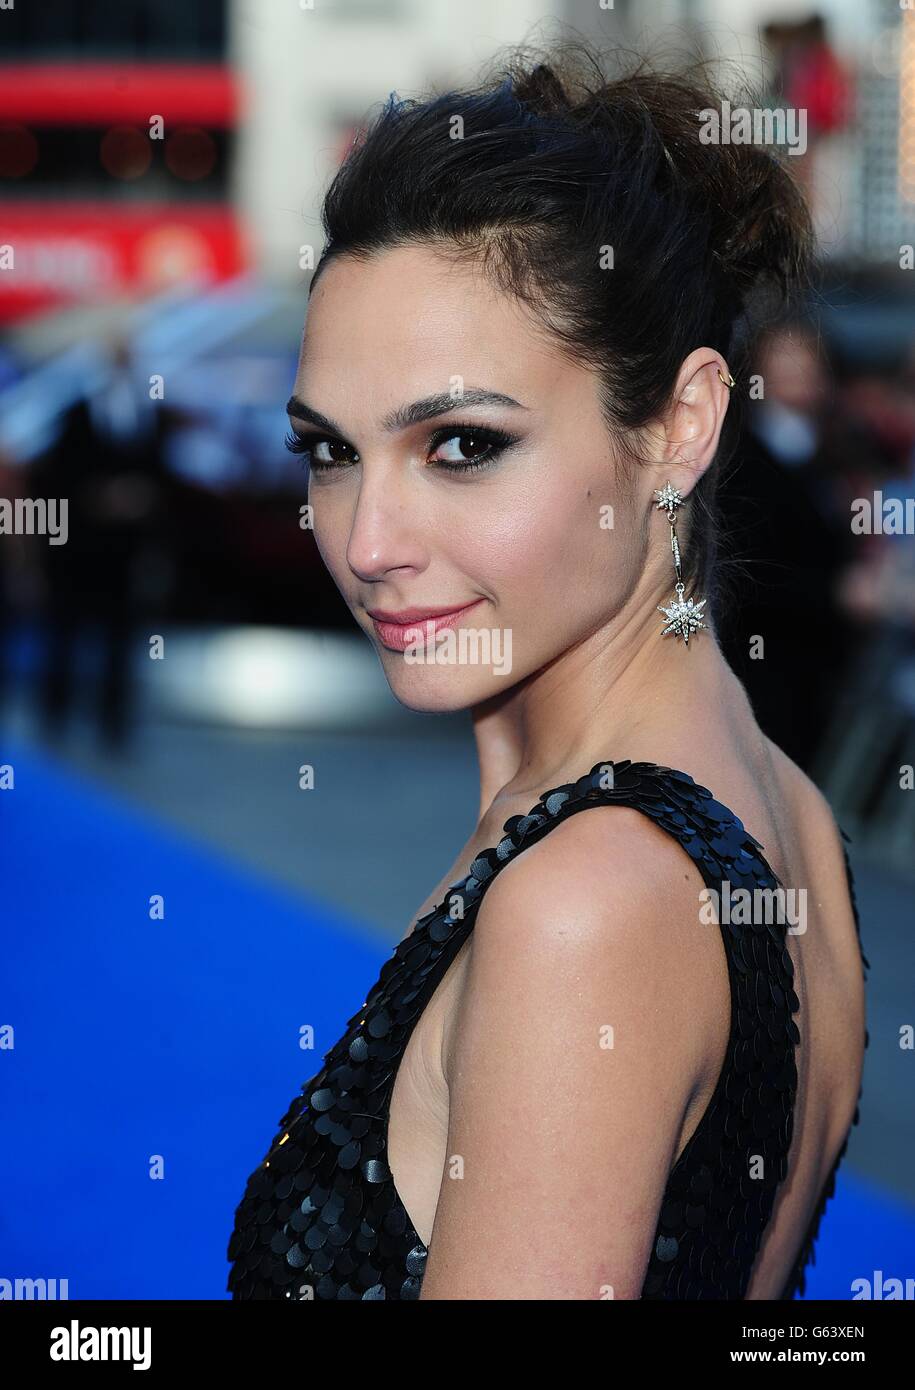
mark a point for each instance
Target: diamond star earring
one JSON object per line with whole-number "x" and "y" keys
{"x": 683, "y": 615}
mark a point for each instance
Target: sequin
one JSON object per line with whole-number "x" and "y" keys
{"x": 338, "y": 1227}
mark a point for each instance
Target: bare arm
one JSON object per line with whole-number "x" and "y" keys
{"x": 578, "y": 1042}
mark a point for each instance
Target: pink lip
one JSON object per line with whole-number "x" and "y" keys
{"x": 399, "y": 630}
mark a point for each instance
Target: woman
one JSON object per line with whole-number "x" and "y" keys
{"x": 513, "y": 398}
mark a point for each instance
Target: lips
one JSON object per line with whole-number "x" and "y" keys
{"x": 412, "y": 615}
{"x": 400, "y": 630}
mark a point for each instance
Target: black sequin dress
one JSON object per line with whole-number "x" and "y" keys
{"x": 321, "y": 1218}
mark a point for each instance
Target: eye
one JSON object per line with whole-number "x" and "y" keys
{"x": 468, "y": 447}
{"x": 320, "y": 451}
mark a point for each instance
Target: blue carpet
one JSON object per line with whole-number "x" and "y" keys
{"x": 147, "y": 1047}
{"x": 137, "y": 1038}
{"x": 864, "y": 1230}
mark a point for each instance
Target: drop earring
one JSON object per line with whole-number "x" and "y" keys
{"x": 683, "y": 614}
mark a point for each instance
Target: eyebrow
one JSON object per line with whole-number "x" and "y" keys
{"x": 427, "y": 409}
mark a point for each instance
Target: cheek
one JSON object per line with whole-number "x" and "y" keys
{"x": 553, "y": 550}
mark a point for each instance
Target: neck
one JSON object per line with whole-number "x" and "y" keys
{"x": 622, "y": 692}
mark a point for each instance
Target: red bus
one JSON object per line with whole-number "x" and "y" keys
{"x": 117, "y": 126}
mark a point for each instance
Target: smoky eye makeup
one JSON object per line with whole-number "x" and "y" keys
{"x": 473, "y": 448}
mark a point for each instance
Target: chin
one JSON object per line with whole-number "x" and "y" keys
{"x": 442, "y": 691}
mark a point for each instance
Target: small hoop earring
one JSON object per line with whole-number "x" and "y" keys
{"x": 683, "y": 614}
{"x": 727, "y": 381}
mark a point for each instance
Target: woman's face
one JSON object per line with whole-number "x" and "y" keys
{"x": 526, "y": 539}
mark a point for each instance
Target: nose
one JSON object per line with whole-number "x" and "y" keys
{"x": 386, "y": 532}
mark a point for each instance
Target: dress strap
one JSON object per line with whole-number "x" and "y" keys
{"x": 712, "y": 835}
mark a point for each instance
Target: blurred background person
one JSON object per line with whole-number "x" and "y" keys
{"x": 788, "y": 534}
{"x": 108, "y": 461}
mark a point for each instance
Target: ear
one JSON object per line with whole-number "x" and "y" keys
{"x": 692, "y": 426}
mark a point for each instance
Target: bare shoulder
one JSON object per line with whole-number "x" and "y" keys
{"x": 602, "y": 922}
{"x": 596, "y": 862}
{"x": 590, "y": 1002}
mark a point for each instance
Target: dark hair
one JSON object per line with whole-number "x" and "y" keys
{"x": 551, "y": 163}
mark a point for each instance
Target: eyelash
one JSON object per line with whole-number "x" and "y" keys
{"x": 496, "y": 441}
